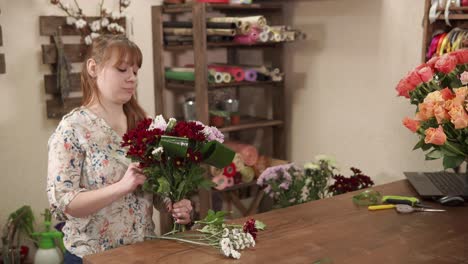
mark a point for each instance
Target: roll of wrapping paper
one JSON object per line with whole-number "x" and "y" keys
{"x": 180, "y": 76}
{"x": 242, "y": 22}
{"x": 227, "y": 78}
{"x": 250, "y": 75}
{"x": 264, "y": 36}
{"x": 220, "y": 182}
{"x": 251, "y": 38}
{"x": 236, "y": 72}
{"x": 248, "y": 152}
{"x": 248, "y": 174}
{"x": 263, "y": 77}
{"x": 216, "y": 171}
{"x": 290, "y": 35}
{"x": 209, "y": 31}
{"x": 188, "y": 24}
{"x": 211, "y": 75}
{"x": 238, "y": 161}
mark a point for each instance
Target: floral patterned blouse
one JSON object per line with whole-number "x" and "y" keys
{"x": 84, "y": 155}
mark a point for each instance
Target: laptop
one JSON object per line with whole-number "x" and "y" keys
{"x": 434, "y": 185}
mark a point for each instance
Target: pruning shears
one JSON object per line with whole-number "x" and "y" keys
{"x": 390, "y": 201}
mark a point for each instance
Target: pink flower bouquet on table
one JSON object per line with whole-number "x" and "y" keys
{"x": 438, "y": 89}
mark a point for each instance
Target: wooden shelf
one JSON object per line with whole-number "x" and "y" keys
{"x": 186, "y": 8}
{"x": 214, "y": 45}
{"x": 453, "y": 17}
{"x": 190, "y": 86}
{"x": 248, "y": 122}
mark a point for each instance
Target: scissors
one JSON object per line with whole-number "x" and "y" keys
{"x": 406, "y": 209}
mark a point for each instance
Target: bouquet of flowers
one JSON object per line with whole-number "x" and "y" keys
{"x": 438, "y": 89}
{"x": 214, "y": 232}
{"x": 317, "y": 176}
{"x": 355, "y": 182}
{"x": 170, "y": 154}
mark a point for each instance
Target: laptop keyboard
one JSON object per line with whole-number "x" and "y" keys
{"x": 447, "y": 184}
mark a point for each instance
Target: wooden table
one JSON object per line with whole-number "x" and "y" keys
{"x": 331, "y": 230}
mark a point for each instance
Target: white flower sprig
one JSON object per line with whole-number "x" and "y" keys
{"x": 230, "y": 239}
{"x": 107, "y": 23}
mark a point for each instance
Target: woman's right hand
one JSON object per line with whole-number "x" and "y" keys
{"x": 132, "y": 179}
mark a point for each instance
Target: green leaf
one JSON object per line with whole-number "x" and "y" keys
{"x": 452, "y": 161}
{"x": 433, "y": 155}
{"x": 419, "y": 144}
{"x": 164, "y": 186}
{"x": 426, "y": 147}
{"x": 206, "y": 184}
{"x": 260, "y": 225}
{"x": 447, "y": 152}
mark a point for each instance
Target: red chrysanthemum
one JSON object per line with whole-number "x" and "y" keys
{"x": 249, "y": 227}
{"x": 194, "y": 156}
{"x": 190, "y": 130}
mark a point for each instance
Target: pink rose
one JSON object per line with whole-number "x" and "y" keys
{"x": 411, "y": 124}
{"x": 464, "y": 78}
{"x": 432, "y": 62}
{"x": 446, "y": 63}
{"x": 413, "y": 78}
{"x": 425, "y": 74}
{"x": 404, "y": 87}
{"x": 435, "y": 136}
{"x": 461, "y": 55}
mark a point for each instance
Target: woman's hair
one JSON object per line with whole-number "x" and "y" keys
{"x": 102, "y": 51}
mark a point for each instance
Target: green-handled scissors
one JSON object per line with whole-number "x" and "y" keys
{"x": 406, "y": 209}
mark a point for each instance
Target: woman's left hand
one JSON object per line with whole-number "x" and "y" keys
{"x": 181, "y": 211}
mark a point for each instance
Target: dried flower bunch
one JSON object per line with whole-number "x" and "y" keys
{"x": 107, "y": 23}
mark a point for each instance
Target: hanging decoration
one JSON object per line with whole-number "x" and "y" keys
{"x": 107, "y": 23}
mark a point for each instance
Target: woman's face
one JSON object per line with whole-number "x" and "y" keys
{"x": 117, "y": 83}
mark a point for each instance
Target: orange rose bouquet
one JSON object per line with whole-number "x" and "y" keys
{"x": 438, "y": 89}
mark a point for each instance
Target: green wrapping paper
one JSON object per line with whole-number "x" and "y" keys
{"x": 180, "y": 76}
{"x": 174, "y": 146}
{"x": 214, "y": 153}
{"x": 217, "y": 154}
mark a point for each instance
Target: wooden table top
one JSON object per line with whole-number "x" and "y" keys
{"x": 332, "y": 230}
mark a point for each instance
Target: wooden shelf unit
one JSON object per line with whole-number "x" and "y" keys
{"x": 272, "y": 53}
{"x": 456, "y": 19}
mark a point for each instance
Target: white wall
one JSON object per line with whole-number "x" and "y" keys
{"x": 341, "y": 84}
{"x": 340, "y": 89}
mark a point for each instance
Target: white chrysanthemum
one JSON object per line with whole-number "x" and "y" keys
{"x": 311, "y": 166}
{"x": 225, "y": 232}
{"x": 224, "y": 242}
{"x": 80, "y": 23}
{"x": 329, "y": 159}
{"x": 158, "y": 122}
{"x": 251, "y": 239}
{"x": 171, "y": 123}
{"x": 235, "y": 231}
{"x": 88, "y": 40}
{"x": 226, "y": 251}
{"x": 235, "y": 254}
{"x": 70, "y": 20}
{"x": 104, "y": 22}
{"x": 236, "y": 245}
{"x": 158, "y": 151}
